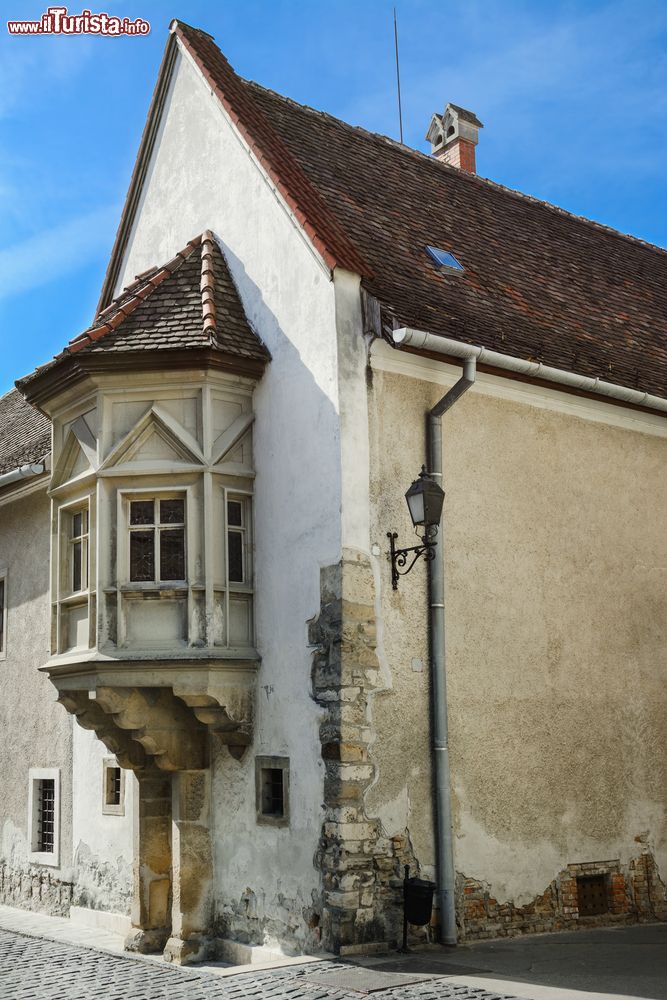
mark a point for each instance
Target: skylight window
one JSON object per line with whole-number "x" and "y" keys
{"x": 444, "y": 258}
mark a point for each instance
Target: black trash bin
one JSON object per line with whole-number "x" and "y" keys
{"x": 418, "y": 900}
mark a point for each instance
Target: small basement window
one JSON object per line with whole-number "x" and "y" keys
{"x": 592, "y": 895}
{"x": 113, "y": 786}
{"x": 272, "y": 790}
{"x": 444, "y": 258}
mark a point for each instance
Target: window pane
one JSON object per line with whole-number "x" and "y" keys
{"x": 141, "y": 512}
{"x": 235, "y": 556}
{"x": 234, "y": 513}
{"x": 142, "y": 556}
{"x": 172, "y": 511}
{"x": 172, "y": 554}
{"x": 77, "y": 522}
{"x": 77, "y": 566}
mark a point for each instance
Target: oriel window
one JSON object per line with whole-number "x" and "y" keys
{"x": 157, "y": 540}
{"x": 78, "y": 551}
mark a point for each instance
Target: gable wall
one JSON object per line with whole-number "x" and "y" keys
{"x": 203, "y": 177}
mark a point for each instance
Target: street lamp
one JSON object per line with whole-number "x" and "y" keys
{"x": 424, "y": 499}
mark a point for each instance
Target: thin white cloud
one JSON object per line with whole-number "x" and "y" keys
{"x": 56, "y": 252}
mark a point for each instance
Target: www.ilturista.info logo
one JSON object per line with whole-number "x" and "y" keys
{"x": 57, "y": 21}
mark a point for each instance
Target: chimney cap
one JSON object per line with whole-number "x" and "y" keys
{"x": 465, "y": 115}
{"x": 455, "y": 114}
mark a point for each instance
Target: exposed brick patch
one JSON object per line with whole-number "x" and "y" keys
{"x": 35, "y": 888}
{"x": 634, "y": 893}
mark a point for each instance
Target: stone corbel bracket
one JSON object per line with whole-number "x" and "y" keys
{"x": 150, "y": 715}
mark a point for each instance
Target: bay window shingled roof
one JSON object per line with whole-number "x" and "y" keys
{"x": 189, "y": 303}
{"x": 539, "y": 283}
{"x": 25, "y": 433}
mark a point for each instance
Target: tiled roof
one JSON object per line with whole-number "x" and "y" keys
{"x": 539, "y": 283}
{"x": 191, "y": 302}
{"x": 25, "y": 433}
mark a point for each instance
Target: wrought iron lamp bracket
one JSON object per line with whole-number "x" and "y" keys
{"x": 399, "y": 557}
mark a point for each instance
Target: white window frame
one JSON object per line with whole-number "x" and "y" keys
{"x": 4, "y": 579}
{"x": 109, "y": 809}
{"x": 35, "y": 775}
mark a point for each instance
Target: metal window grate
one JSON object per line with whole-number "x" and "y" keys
{"x": 273, "y": 800}
{"x": 46, "y": 816}
{"x": 592, "y": 895}
{"x": 113, "y": 789}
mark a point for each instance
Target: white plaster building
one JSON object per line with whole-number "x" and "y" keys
{"x": 196, "y": 496}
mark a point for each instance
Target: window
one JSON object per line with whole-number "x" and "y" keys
{"x": 3, "y": 614}
{"x": 44, "y": 815}
{"x": 113, "y": 788}
{"x": 157, "y": 540}
{"x": 237, "y": 560}
{"x": 592, "y": 895}
{"x": 78, "y": 551}
{"x": 444, "y": 258}
{"x": 272, "y": 790}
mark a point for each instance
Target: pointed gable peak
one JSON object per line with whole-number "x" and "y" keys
{"x": 189, "y": 303}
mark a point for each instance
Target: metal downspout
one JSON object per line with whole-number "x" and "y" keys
{"x": 443, "y": 805}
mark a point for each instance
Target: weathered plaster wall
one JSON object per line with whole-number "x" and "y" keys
{"x": 36, "y": 732}
{"x": 203, "y": 177}
{"x": 102, "y": 843}
{"x": 556, "y": 563}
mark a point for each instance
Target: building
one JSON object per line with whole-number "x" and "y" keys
{"x": 253, "y": 736}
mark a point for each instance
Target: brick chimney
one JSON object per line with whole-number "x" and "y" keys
{"x": 453, "y": 137}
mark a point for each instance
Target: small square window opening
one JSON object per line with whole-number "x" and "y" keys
{"x": 592, "y": 895}
{"x": 272, "y": 787}
{"x": 444, "y": 258}
{"x": 113, "y": 784}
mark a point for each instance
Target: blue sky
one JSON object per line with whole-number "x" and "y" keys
{"x": 573, "y": 97}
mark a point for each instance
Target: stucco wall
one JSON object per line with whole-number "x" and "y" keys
{"x": 203, "y": 177}
{"x": 556, "y": 566}
{"x": 36, "y": 731}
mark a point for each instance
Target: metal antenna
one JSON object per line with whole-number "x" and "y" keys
{"x": 398, "y": 79}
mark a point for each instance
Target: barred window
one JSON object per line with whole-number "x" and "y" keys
{"x": 157, "y": 540}
{"x": 113, "y": 788}
{"x": 44, "y": 815}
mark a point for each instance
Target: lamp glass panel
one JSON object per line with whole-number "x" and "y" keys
{"x": 416, "y": 506}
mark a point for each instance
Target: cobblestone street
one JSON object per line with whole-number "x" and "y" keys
{"x": 37, "y": 969}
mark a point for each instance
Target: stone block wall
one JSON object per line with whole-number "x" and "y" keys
{"x": 361, "y": 867}
{"x": 35, "y": 888}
